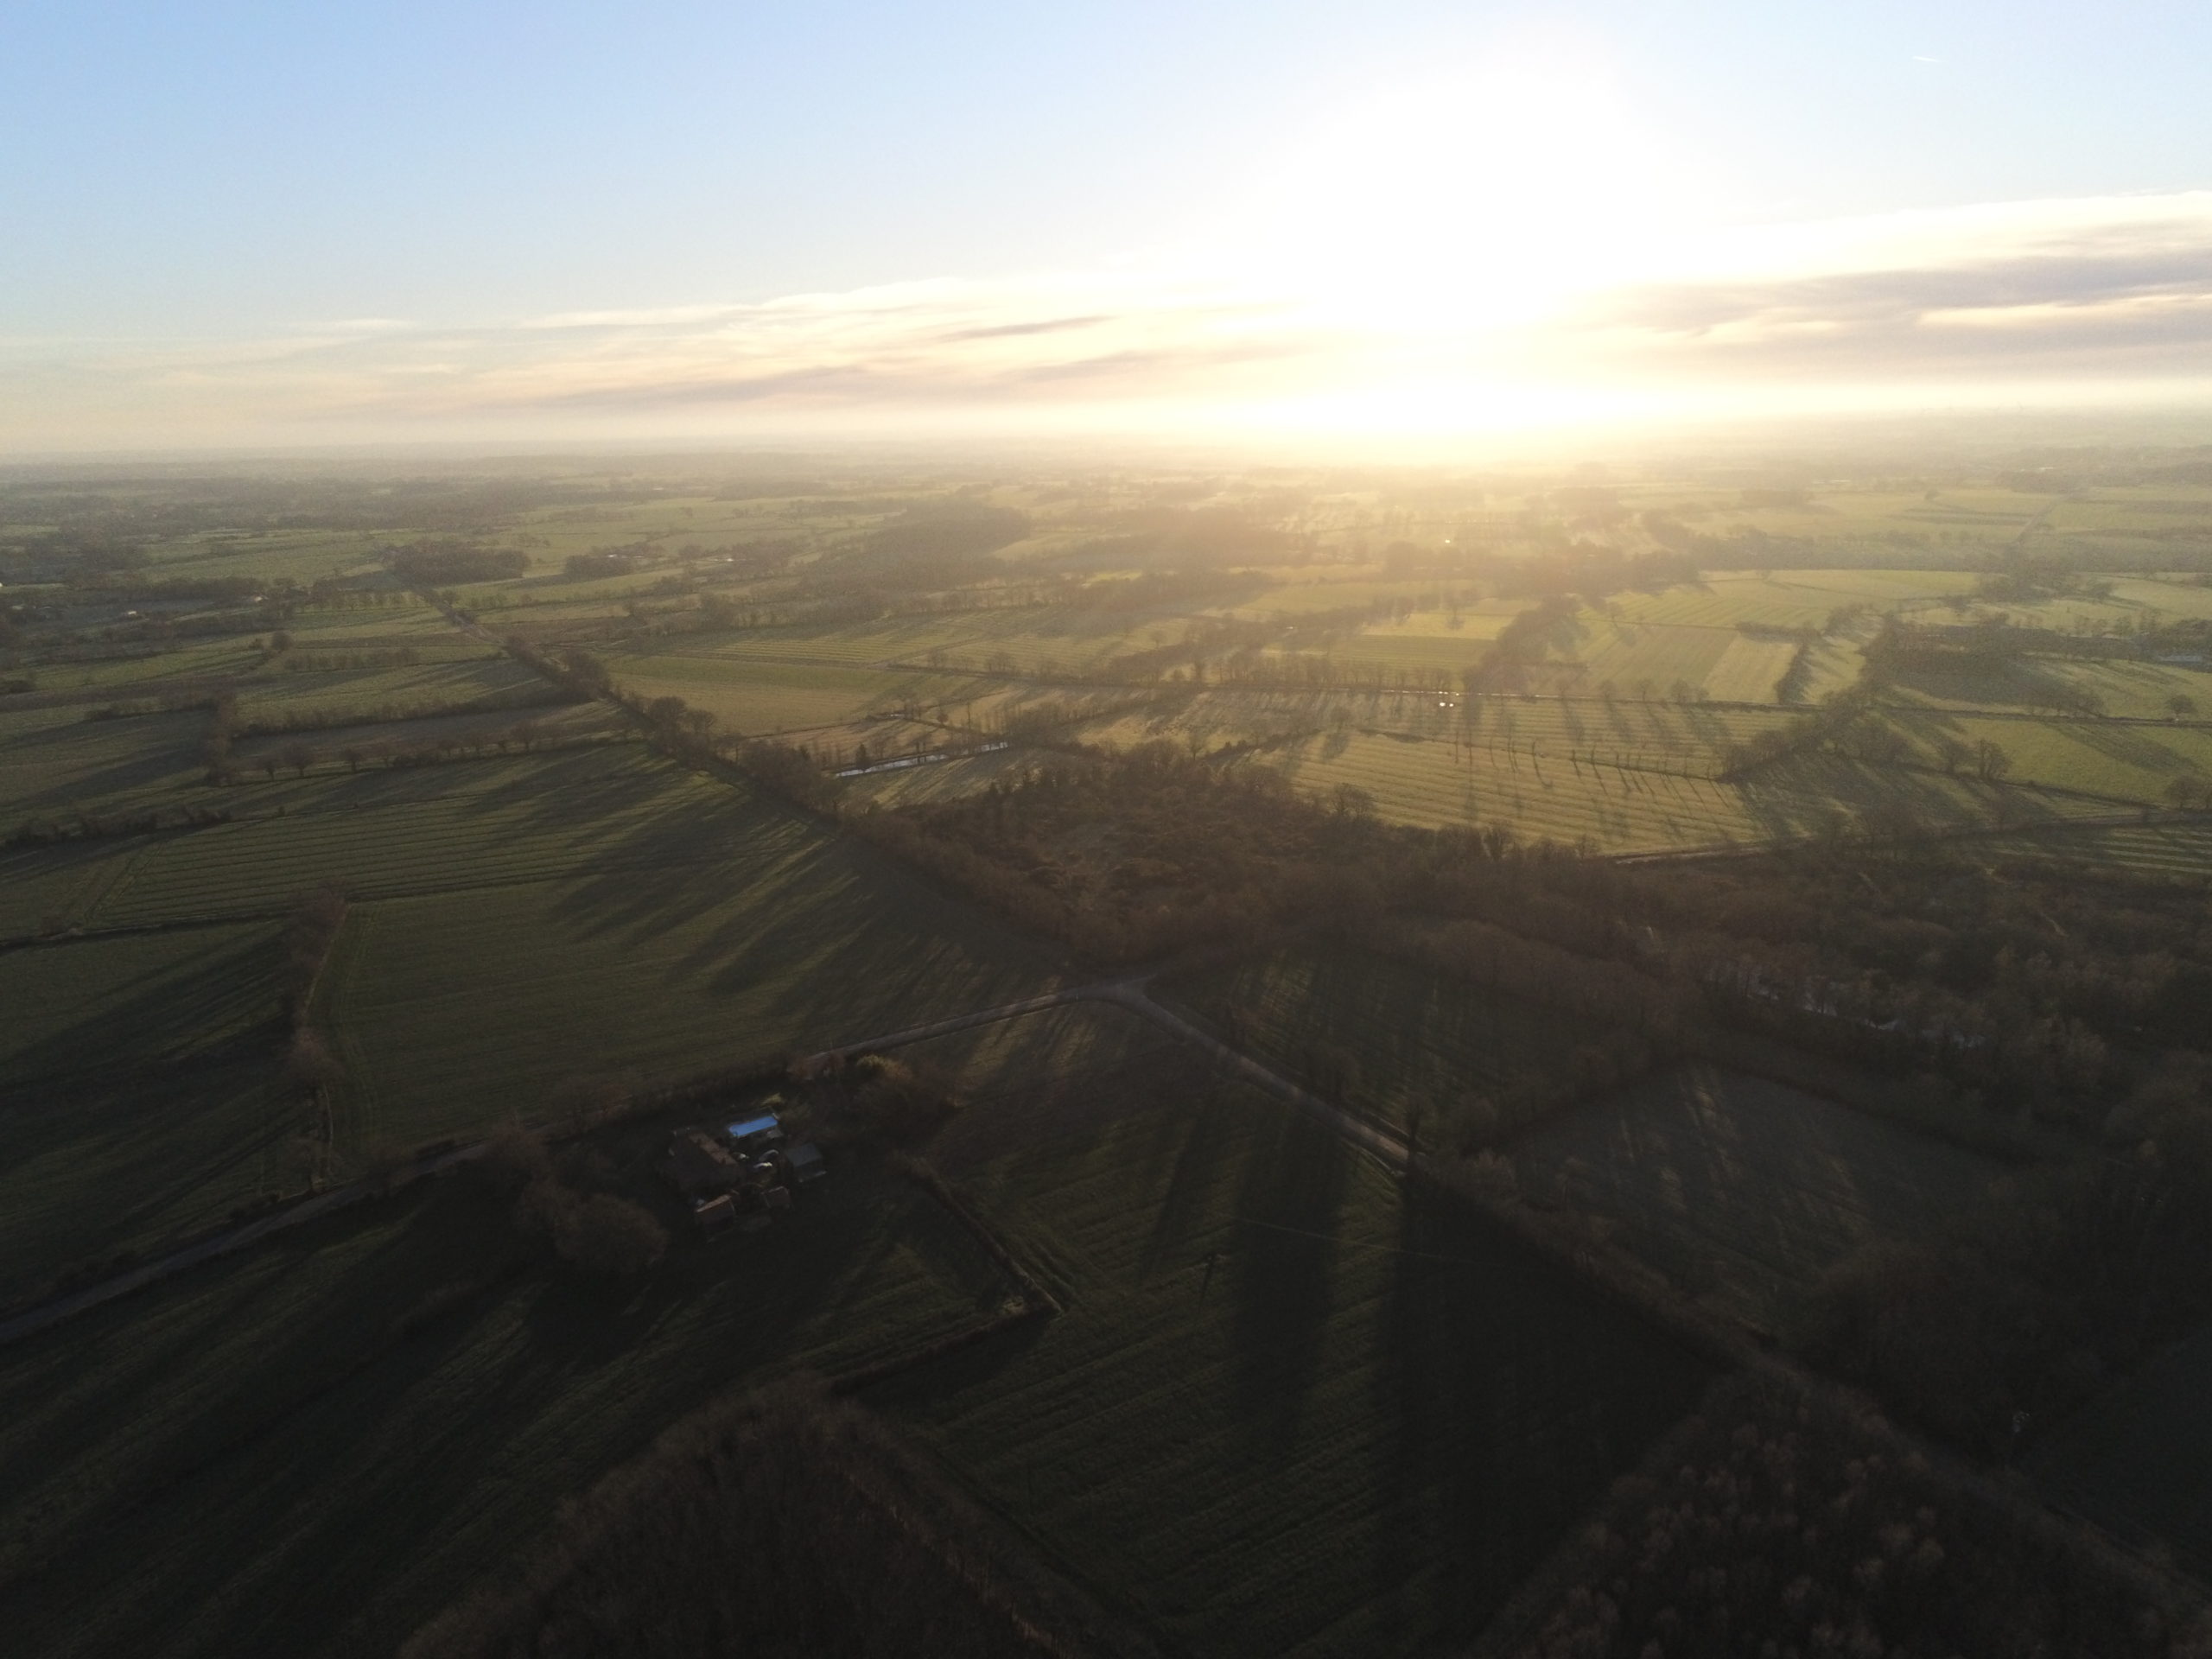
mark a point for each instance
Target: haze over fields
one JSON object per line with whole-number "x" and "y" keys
{"x": 1240, "y": 831}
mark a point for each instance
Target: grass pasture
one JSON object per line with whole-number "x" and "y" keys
{"x": 718, "y": 928}
{"x": 384, "y": 834}
{"x": 2134, "y": 690}
{"x": 2178, "y": 850}
{"x": 763, "y": 697}
{"x": 1631, "y": 807}
{"x": 416, "y": 686}
{"x": 2123, "y": 762}
{"x": 1740, "y": 1189}
{"x": 331, "y": 1436}
{"x": 56, "y": 764}
{"x": 138, "y": 1094}
{"x": 1292, "y": 1407}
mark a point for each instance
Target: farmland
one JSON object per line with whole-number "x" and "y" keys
{"x": 658, "y": 969}
{"x": 1741, "y": 1190}
{"x": 331, "y": 1436}
{"x": 356, "y": 823}
{"x": 1293, "y": 1406}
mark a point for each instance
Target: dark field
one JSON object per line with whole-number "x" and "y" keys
{"x": 2139, "y": 1461}
{"x": 1740, "y": 1189}
{"x": 1293, "y": 1407}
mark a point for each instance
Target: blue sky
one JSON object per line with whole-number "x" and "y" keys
{"x": 232, "y": 219}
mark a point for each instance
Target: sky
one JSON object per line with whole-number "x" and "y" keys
{"x": 237, "y": 224}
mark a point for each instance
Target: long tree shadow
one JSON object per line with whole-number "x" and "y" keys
{"x": 1294, "y": 1184}
{"x": 1511, "y": 1400}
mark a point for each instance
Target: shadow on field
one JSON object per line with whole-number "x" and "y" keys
{"x": 1510, "y": 1400}
{"x": 1282, "y": 1268}
{"x": 332, "y": 1434}
{"x": 181, "y": 1005}
{"x": 96, "y": 759}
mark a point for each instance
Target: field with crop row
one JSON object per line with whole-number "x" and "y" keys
{"x": 105, "y": 1004}
{"x": 754, "y": 697}
{"x": 1295, "y": 1408}
{"x": 1628, "y": 810}
{"x": 331, "y": 1437}
{"x": 2181, "y": 851}
{"x": 54, "y": 763}
{"x": 743, "y": 933}
{"x": 2132, "y": 690}
{"x": 1742, "y": 1191}
{"x": 386, "y": 834}
{"x": 1655, "y": 732}
{"x": 2127, "y": 762}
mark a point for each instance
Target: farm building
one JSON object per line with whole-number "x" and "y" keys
{"x": 804, "y": 1161}
{"x": 698, "y": 1164}
{"x": 756, "y": 1134}
{"x": 714, "y": 1214}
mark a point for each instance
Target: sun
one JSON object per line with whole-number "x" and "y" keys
{"x": 1471, "y": 200}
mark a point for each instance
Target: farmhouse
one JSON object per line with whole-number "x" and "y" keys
{"x": 698, "y": 1165}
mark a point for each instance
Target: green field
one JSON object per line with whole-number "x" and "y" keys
{"x": 2180, "y": 850}
{"x": 1740, "y": 1190}
{"x": 2125, "y": 762}
{"x": 2126, "y": 688}
{"x": 387, "y": 834}
{"x": 753, "y": 698}
{"x": 312, "y": 1448}
{"x": 1625, "y": 808}
{"x": 140, "y": 1079}
{"x": 105, "y": 1005}
{"x": 1294, "y": 1408}
{"x": 55, "y": 764}
{"x": 2136, "y": 1461}
{"x": 1387, "y": 1039}
{"x": 517, "y": 924}
{"x": 720, "y": 929}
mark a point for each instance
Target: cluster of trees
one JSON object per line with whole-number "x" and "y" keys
{"x": 526, "y": 736}
{"x": 47, "y": 832}
{"x": 598, "y": 1231}
{"x": 1848, "y": 723}
{"x": 2023, "y": 1305}
{"x": 2023, "y": 990}
{"x": 1785, "y": 1524}
{"x": 447, "y": 564}
{"x": 284, "y": 719}
{"x": 334, "y": 662}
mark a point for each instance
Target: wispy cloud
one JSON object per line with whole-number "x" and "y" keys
{"x": 2103, "y": 290}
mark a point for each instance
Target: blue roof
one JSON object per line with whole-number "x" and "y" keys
{"x": 751, "y": 1126}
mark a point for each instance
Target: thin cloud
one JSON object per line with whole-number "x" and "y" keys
{"x": 2099, "y": 291}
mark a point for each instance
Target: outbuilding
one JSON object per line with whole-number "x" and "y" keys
{"x": 756, "y": 1134}
{"x": 697, "y": 1164}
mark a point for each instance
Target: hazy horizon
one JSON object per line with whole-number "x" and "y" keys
{"x": 1299, "y": 226}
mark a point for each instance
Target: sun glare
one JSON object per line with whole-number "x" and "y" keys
{"x": 1471, "y": 201}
